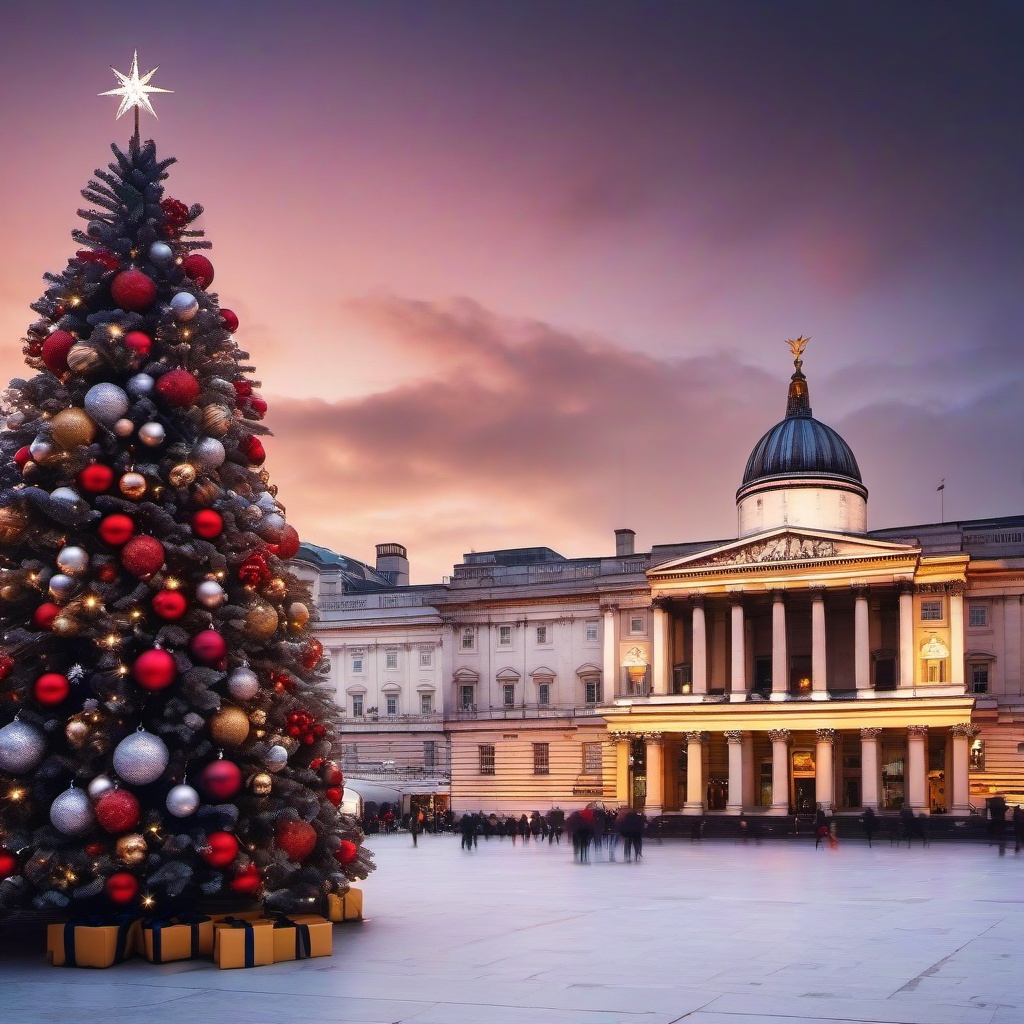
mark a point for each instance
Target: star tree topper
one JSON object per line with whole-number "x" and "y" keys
{"x": 134, "y": 91}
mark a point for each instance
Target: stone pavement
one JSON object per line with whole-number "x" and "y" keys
{"x": 713, "y": 933}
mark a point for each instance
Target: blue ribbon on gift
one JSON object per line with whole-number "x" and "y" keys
{"x": 193, "y": 921}
{"x": 123, "y": 923}
{"x": 250, "y": 938}
{"x": 156, "y": 925}
{"x": 303, "y": 943}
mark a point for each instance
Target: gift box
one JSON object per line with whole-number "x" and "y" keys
{"x": 240, "y": 943}
{"x": 302, "y": 936}
{"x": 92, "y": 942}
{"x": 237, "y": 915}
{"x": 347, "y": 907}
{"x": 177, "y": 938}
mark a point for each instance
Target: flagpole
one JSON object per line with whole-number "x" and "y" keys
{"x": 942, "y": 499}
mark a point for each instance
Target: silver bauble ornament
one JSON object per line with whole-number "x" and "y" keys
{"x": 161, "y": 252}
{"x": 15, "y": 420}
{"x": 243, "y": 684}
{"x": 210, "y": 594}
{"x": 100, "y": 785}
{"x": 252, "y": 514}
{"x": 152, "y": 434}
{"x": 182, "y": 801}
{"x": 43, "y": 451}
{"x": 124, "y": 428}
{"x": 71, "y": 813}
{"x": 140, "y": 758}
{"x": 271, "y": 526}
{"x": 106, "y": 403}
{"x": 208, "y": 453}
{"x": 21, "y": 747}
{"x": 65, "y": 494}
{"x": 266, "y": 502}
{"x": 73, "y": 561}
{"x": 139, "y": 385}
{"x": 61, "y": 586}
{"x": 184, "y": 306}
{"x": 276, "y": 757}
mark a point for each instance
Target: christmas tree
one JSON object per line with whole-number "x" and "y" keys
{"x": 166, "y": 728}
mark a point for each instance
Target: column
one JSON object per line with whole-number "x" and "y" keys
{"x": 655, "y": 802}
{"x": 660, "y": 654}
{"x": 719, "y": 649}
{"x": 861, "y": 640}
{"x": 956, "y": 633}
{"x": 819, "y": 680}
{"x": 610, "y": 659}
{"x": 958, "y": 798}
{"x": 917, "y": 768}
{"x": 780, "y": 770}
{"x": 907, "y": 673}
{"x": 695, "y": 785}
{"x": 870, "y": 768}
{"x": 824, "y": 786}
{"x": 621, "y": 741}
{"x": 734, "y": 802}
{"x": 780, "y": 649}
{"x": 738, "y": 666}
{"x": 699, "y": 668}
{"x": 749, "y": 795}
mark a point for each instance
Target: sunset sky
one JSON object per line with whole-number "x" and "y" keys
{"x": 519, "y": 273}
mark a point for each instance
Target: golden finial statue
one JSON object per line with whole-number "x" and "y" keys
{"x": 797, "y": 345}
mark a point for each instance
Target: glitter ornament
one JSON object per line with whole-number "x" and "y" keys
{"x": 347, "y": 852}
{"x": 271, "y": 526}
{"x": 73, "y": 560}
{"x": 261, "y": 784}
{"x": 21, "y": 747}
{"x": 208, "y": 453}
{"x": 72, "y": 427}
{"x": 210, "y": 594}
{"x": 178, "y": 387}
{"x": 199, "y": 268}
{"x": 131, "y": 849}
{"x": 139, "y": 385}
{"x": 229, "y": 727}
{"x": 184, "y": 306}
{"x": 133, "y": 290}
{"x": 117, "y": 811}
{"x": 140, "y": 758}
{"x": 260, "y": 622}
{"x": 152, "y": 434}
{"x": 297, "y": 838}
{"x": 142, "y": 556}
{"x": 183, "y": 801}
{"x": 243, "y": 684}
{"x": 298, "y": 613}
{"x": 71, "y": 813}
{"x": 132, "y": 485}
{"x": 55, "y": 351}
{"x": 99, "y": 786}
{"x": 288, "y": 546}
{"x": 106, "y": 403}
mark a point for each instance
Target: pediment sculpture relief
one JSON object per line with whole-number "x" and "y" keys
{"x": 778, "y": 549}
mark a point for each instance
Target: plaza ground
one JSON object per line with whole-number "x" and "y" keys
{"x": 711, "y": 933}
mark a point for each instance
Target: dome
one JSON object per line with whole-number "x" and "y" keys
{"x": 801, "y": 446}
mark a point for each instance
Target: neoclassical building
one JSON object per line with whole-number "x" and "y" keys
{"x": 808, "y": 662}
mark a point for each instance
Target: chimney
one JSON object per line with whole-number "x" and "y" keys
{"x": 393, "y": 562}
{"x": 624, "y": 542}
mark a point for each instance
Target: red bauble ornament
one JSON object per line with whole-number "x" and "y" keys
{"x": 116, "y": 530}
{"x": 43, "y": 616}
{"x": 199, "y": 268}
{"x": 8, "y": 864}
{"x": 311, "y": 654}
{"x": 229, "y": 321}
{"x": 288, "y": 543}
{"x": 51, "y": 688}
{"x": 243, "y": 389}
{"x": 107, "y": 573}
{"x": 347, "y": 852}
{"x": 296, "y": 837}
{"x": 139, "y": 342}
{"x": 254, "y": 570}
{"x": 332, "y": 774}
{"x": 220, "y": 780}
{"x": 6, "y": 664}
{"x": 170, "y": 604}
{"x": 133, "y": 290}
{"x": 155, "y": 669}
{"x": 122, "y": 887}
{"x": 334, "y": 795}
{"x": 117, "y": 811}
{"x": 253, "y": 450}
{"x": 221, "y": 849}
{"x": 104, "y": 257}
{"x": 258, "y": 406}
{"x": 142, "y": 556}
{"x": 55, "y": 350}
{"x": 208, "y": 647}
{"x": 96, "y": 478}
{"x": 94, "y": 849}
{"x": 179, "y": 387}
{"x": 207, "y": 524}
{"x": 175, "y": 215}
{"x": 22, "y": 455}
{"x": 246, "y": 882}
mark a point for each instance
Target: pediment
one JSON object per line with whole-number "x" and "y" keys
{"x": 787, "y": 547}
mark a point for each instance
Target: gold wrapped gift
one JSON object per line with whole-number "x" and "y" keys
{"x": 347, "y": 907}
{"x": 240, "y": 943}
{"x": 179, "y": 938}
{"x": 92, "y": 943}
{"x": 300, "y": 936}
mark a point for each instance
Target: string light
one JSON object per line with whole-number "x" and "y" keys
{"x": 148, "y": 901}
{"x": 14, "y": 793}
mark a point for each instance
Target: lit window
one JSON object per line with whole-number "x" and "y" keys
{"x": 931, "y": 611}
{"x": 430, "y": 753}
{"x": 469, "y": 639}
{"x": 486, "y": 755}
{"x": 544, "y": 694}
{"x": 541, "y": 758}
{"x": 508, "y": 695}
{"x": 426, "y": 703}
{"x": 357, "y": 705}
{"x": 542, "y": 634}
{"x": 592, "y": 691}
{"x": 392, "y": 704}
{"x": 466, "y": 700}
{"x": 636, "y": 624}
{"x": 592, "y": 633}
{"x": 977, "y": 760}
{"x": 391, "y": 659}
{"x": 505, "y": 636}
{"x": 592, "y": 758}
{"x": 977, "y": 615}
{"x": 979, "y": 676}
{"x": 426, "y": 659}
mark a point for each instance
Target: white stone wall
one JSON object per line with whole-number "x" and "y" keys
{"x": 812, "y": 508}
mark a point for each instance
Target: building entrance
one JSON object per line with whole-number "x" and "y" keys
{"x": 804, "y": 796}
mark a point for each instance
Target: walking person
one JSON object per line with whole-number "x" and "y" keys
{"x": 415, "y": 826}
{"x": 1018, "y": 828}
{"x": 870, "y": 823}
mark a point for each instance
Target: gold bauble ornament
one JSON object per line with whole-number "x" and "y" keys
{"x": 258, "y": 716}
{"x": 77, "y": 732}
{"x": 260, "y": 622}
{"x": 298, "y": 613}
{"x": 272, "y": 490}
{"x": 12, "y": 522}
{"x": 264, "y": 476}
{"x": 72, "y": 427}
{"x": 65, "y": 625}
{"x": 9, "y": 592}
{"x": 132, "y": 848}
{"x": 206, "y": 493}
{"x": 83, "y": 358}
{"x": 217, "y": 420}
{"x": 133, "y": 485}
{"x": 229, "y": 727}
{"x": 262, "y": 783}
{"x": 275, "y": 589}
{"x": 182, "y": 475}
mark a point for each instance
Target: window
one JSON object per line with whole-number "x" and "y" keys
{"x": 591, "y": 758}
{"x": 931, "y": 611}
{"x": 544, "y": 694}
{"x": 391, "y": 705}
{"x": 978, "y": 671}
{"x": 486, "y": 755}
{"x": 508, "y": 694}
{"x": 977, "y": 759}
{"x": 430, "y": 753}
{"x": 541, "y": 755}
{"x": 542, "y": 635}
{"x": 426, "y": 659}
{"x": 592, "y": 691}
{"x": 593, "y": 634}
{"x": 468, "y": 639}
{"x": 466, "y": 695}
{"x": 426, "y": 703}
{"x": 357, "y": 705}
{"x": 977, "y": 615}
{"x": 357, "y": 665}
{"x": 636, "y": 624}
{"x": 391, "y": 659}
{"x": 505, "y": 636}
{"x": 682, "y": 681}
